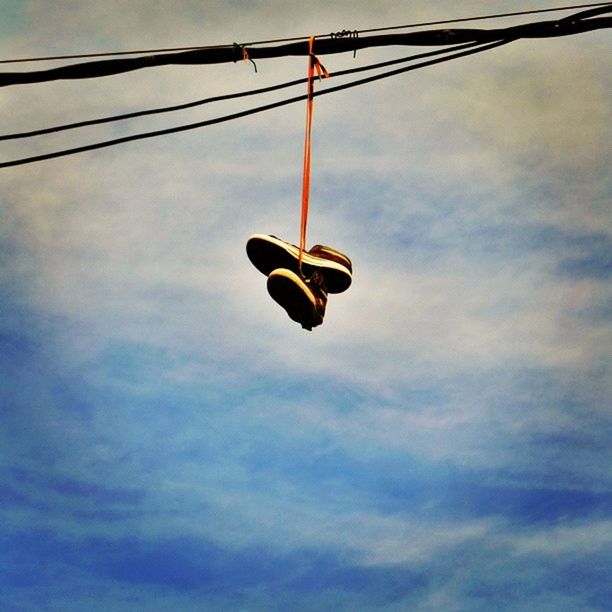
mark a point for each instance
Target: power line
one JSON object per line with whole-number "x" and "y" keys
{"x": 298, "y": 38}
{"x": 251, "y": 111}
{"x": 106, "y": 54}
{"x": 570, "y": 25}
{"x": 572, "y": 19}
{"x": 222, "y": 98}
{"x": 481, "y": 17}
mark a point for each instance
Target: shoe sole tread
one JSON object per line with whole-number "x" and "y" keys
{"x": 268, "y": 253}
{"x": 290, "y": 292}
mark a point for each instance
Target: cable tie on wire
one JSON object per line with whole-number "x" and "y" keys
{"x": 241, "y": 49}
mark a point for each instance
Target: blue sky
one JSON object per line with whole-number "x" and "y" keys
{"x": 169, "y": 439}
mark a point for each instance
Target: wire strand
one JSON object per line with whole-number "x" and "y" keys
{"x": 108, "y": 54}
{"x": 300, "y": 38}
{"x": 497, "y": 16}
{"x": 251, "y": 111}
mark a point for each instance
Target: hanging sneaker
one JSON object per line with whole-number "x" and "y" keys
{"x": 304, "y": 300}
{"x": 268, "y": 253}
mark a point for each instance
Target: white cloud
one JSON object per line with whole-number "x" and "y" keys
{"x": 573, "y": 540}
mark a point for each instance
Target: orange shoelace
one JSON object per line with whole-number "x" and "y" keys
{"x": 313, "y": 65}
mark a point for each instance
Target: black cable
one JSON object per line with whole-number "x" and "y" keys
{"x": 571, "y": 20}
{"x": 106, "y": 54}
{"x": 252, "y": 111}
{"x": 497, "y": 16}
{"x": 101, "y": 68}
{"x": 241, "y": 94}
{"x": 298, "y": 38}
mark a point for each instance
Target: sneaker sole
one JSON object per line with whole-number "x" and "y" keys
{"x": 268, "y": 253}
{"x": 289, "y": 291}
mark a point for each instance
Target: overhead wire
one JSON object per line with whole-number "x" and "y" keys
{"x": 106, "y": 54}
{"x": 225, "y": 97}
{"x": 482, "y": 17}
{"x": 251, "y": 111}
{"x": 568, "y": 25}
{"x": 451, "y": 37}
{"x": 299, "y": 38}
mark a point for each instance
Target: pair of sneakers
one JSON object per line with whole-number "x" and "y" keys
{"x": 302, "y": 293}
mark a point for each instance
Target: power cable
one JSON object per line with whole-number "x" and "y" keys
{"x": 568, "y": 25}
{"x": 544, "y": 29}
{"x": 480, "y": 18}
{"x": 106, "y": 54}
{"x": 251, "y": 111}
{"x": 298, "y": 38}
{"x": 240, "y": 94}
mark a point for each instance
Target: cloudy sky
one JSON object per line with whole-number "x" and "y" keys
{"x": 171, "y": 440}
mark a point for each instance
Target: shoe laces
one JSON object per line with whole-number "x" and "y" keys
{"x": 316, "y": 284}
